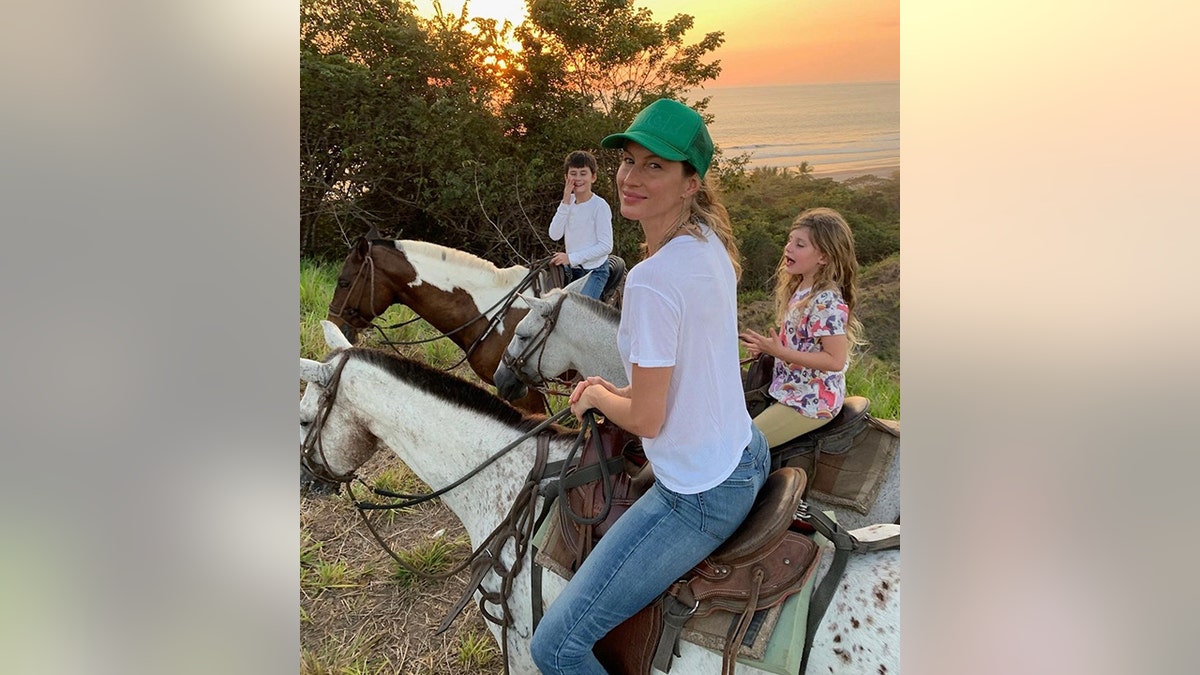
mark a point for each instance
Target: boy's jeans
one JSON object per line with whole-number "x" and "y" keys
{"x": 596, "y": 279}
{"x": 662, "y": 536}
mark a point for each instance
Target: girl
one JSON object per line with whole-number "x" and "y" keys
{"x": 678, "y": 341}
{"x": 815, "y": 292}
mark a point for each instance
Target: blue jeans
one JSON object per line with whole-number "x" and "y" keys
{"x": 662, "y": 536}
{"x": 596, "y": 279}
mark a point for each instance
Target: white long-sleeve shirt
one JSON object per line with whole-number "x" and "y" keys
{"x": 587, "y": 227}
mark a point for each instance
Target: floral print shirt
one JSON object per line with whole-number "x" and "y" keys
{"x": 814, "y": 393}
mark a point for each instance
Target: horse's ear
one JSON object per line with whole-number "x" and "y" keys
{"x": 576, "y": 286}
{"x": 363, "y": 246}
{"x": 539, "y": 305}
{"x": 315, "y": 371}
{"x": 373, "y": 233}
{"x": 334, "y": 337}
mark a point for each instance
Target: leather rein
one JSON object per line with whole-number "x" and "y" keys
{"x": 501, "y": 308}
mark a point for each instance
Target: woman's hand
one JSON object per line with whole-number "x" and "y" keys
{"x": 582, "y": 401}
{"x": 756, "y": 343}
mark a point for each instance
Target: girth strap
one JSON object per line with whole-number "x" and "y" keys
{"x": 844, "y": 543}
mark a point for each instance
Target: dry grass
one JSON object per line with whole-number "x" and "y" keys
{"x": 370, "y": 623}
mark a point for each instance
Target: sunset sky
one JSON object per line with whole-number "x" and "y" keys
{"x": 770, "y": 41}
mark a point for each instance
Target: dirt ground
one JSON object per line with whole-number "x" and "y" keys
{"x": 369, "y": 622}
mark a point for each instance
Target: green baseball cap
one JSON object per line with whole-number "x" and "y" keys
{"x": 670, "y": 130}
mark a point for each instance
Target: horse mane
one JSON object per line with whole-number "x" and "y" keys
{"x": 602, "y": 310}
{"x": 451, "y": 388}
{"x": 506, "y": 277}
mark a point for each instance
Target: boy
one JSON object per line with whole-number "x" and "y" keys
{"x": 585, "y": 220}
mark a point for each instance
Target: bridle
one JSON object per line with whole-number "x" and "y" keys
{"x": 312, "y": 449}
{"x": 537, "y": 344}
{"x": 497, "y": 311}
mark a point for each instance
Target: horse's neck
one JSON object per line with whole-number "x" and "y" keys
{"x": 592, "y": 341}
{"x": 442, "y": 273}
{"x": 441, "y": 442}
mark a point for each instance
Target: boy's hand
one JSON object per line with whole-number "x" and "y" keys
{"x": 568, "y": 189}
{"x": 560, "y": 258}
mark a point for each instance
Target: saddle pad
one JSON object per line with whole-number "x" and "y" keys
{"x": 710, "y": 631}
{"x": 853, "y": 478}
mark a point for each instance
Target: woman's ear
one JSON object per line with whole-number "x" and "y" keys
{"x": 691, "y": 185}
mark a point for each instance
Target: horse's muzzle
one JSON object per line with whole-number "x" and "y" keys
{"x": 508, "y": 385}
{"x": 311, "y": 485}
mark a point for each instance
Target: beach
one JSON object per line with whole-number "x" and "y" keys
{"x": 841, "y": 130}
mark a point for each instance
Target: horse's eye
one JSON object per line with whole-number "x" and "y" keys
{"x": 351, "y": 311}
{"x": 342, "y": 283}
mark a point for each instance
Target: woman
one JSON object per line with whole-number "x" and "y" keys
{"x": 679, "y": 344}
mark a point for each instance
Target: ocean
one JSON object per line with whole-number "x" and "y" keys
{"x": 841, "y": 130}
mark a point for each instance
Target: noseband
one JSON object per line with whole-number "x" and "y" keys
{"x": 312, "y": 449}
{"x": 538, "y": 343}
{"x": 341, "y": 313}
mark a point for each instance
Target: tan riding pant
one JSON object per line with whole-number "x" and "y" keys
{"x": 781, "y": 423}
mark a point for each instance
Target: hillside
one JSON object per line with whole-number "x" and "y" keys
{"x": 879, "y": 308}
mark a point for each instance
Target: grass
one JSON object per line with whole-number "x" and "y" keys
{"x": 476, "y": 650}
{"x": 335, "y": 658}
{"x": 879, "y": 381}
{"x": 324, "y": 575}
{"x": 432, "y": 557}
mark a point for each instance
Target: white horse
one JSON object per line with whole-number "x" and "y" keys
{"x": 442, "y": 427}
{"x": 566, "y": 331}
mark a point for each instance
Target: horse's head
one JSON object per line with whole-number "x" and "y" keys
{"x": 333, "y": 441}
{"x": 361, "y": 293}
{"x": 531, "y": 357}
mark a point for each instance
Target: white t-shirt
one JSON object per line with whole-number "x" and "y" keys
{"x": 588, "y": 229}
{"x": 679, "y": 309}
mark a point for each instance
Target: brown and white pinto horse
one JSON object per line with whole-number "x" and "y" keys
{"x": 470, "y": 300}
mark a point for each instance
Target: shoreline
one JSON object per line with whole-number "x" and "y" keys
{"x": 884, "y": 170}
{"x": 879, "y": 172}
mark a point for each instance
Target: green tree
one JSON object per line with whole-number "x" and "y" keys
{"x": 434, "y": 129}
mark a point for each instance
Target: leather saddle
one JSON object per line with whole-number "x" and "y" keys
{"x": 552, "y": 277}
{"x": 833, "y": 438}
{"x": 616, "y": 278}
{"x": 760, "y": 566}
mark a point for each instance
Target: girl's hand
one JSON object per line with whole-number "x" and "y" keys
{"x": 760, "y": 344}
